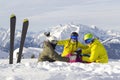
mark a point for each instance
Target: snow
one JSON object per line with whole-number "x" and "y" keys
{"x": 3, "y": 55}
{"x": 29, "y": 69}
{"x": 28, "y": 52}
{"x": 115, "y": 41}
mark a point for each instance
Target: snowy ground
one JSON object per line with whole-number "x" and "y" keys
{"x": 29, "y": 69}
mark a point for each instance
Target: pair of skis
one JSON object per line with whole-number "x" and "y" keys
{"x": 12, "y": 36}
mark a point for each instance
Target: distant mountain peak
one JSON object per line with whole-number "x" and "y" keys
{"x": 108, "y": 38}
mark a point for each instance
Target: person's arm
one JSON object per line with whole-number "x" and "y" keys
{"x": 82, "y": 46}
{"x": 86, "y": 51}
{"x": 62, "y": 42}
{"x": 93, "y": 56}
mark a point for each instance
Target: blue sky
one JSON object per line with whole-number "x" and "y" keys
{"x": 105, "y": 14}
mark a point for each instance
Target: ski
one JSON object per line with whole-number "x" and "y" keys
{"x": 12, "y": 33}
{"x": 23, "y": 36}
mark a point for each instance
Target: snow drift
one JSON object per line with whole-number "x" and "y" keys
{"x": 29, "y": 69}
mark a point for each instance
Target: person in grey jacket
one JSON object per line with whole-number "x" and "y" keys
{"x": 49, "y": 53}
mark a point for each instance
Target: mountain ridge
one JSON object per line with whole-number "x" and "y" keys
{"x": 110, "y": 39}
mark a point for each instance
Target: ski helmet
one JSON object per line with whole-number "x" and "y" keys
{"x": 74, "y": 35}
{"x": 88, "y": 38}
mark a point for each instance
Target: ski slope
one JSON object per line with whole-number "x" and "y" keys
{"x": 29, "y": 69}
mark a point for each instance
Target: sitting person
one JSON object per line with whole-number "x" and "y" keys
{"x": 96, "y": 50}
{"x": 71, "y": 46}
{"x": 48, "y": 53}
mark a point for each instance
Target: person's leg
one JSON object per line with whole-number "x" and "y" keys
{"x": 54, "y": 55}
{"x": 44, "y": 55}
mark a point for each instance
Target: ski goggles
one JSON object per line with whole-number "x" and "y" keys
{"x": 88, "y": 41}
{"x": 74, "y": 38}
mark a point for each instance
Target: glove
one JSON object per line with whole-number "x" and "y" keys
{"x": 79, "y": 52}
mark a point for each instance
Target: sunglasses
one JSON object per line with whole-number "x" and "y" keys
{"x": 74, "y": 38}
{"x": 88, "y": 41}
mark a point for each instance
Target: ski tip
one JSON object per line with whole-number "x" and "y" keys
{"x": 12, "y": 15}
{"x": 25, "y": 20}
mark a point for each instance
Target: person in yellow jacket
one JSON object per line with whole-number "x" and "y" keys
{"x": 71, "y": 45}
{"x": 96, "y": 50}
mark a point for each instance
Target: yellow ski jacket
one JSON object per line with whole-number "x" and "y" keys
{"x": 70, "y": 47}
{"x": 97, "y": 53}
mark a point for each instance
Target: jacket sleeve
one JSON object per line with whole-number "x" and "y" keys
{"x": 93, "y": 56}
{"x": 86, "y": 51}
{"x": 82, "y": 46}
{"x": 62, "y": 42}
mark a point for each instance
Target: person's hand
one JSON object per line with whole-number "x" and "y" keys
{"x": 79, "y": 51}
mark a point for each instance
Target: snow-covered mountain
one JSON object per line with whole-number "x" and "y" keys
{"x": 111, "y": 39}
